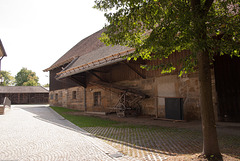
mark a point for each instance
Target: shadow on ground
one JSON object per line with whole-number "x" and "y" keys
{"x": 161, "y": 138}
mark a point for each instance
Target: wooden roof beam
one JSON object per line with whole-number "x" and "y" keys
{"x": 78, "y": 81}
{"x": 100, "y": 71}
{"x": 135, "y": 70}
{"x": 97, "y": 76}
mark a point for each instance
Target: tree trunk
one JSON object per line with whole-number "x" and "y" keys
{"x": 210, "y": 141}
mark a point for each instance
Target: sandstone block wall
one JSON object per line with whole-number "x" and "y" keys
{"x": 159, "y": 88}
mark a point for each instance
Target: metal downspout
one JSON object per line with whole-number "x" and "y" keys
{"x": 85, "y": 100}
{"x": 0, "y": 62}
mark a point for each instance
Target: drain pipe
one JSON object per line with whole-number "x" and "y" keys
{"x": 2, "y": 50}
{"x": 1, "y": 63}
{"x": 1, "y": 76}
{"x": 85, "y": 100}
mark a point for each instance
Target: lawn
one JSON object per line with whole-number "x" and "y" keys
{"x": 84, "y": 121}
{"x": 90, "y": 121}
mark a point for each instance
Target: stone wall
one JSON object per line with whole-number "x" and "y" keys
{"x": 189, "y": 90}
{"x": 147, "y": 87}
{"x": 107, "y": 101}
{"x": 64, "y": 98}
{"x": 159, "y": 88}
{"x": 171, "y": 86}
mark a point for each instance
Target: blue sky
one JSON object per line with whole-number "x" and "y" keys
{"x": 35, "y": 33}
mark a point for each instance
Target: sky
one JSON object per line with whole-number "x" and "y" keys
{"x": 35, "y": 33}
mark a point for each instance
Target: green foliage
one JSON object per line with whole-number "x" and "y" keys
{"x": 26, "y": 77}
{"x": 46, "y": 85}
{"x": 8, "y": 79}
{"x": 159, "y": 28}
{"x": 166, "y": 68}
{"x": 163, "y": 27}
{"x": 91, "y": 121}
{"x": 83, "y": 121}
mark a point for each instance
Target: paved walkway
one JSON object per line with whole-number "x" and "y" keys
{"x": 36, "y": 132}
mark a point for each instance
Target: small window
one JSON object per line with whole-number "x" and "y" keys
{"x": 56, "y": 96}
{"x": 74, "y": 95}
{"x": 97, "y": 98}
{"x": 60, "y": 94}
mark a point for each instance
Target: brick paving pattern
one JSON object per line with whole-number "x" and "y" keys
{"x": 38, "y": 133}
{"x": 162, "y": 143}
{"x": 150, "y": 144}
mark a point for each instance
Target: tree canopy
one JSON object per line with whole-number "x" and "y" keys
{"x": 26, "y": 77}
{"x": 166, "y": 26}
{"x": 8, "y": 79}
{"x": 158, "y": 28}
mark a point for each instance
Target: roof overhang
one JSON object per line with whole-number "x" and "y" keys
{"x": 23, "y": 89}
{"x": 60, "y": 64}
{"x": 108, "y": 60}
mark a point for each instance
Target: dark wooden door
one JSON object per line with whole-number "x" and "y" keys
{"x": 174, "y": 108}
{"x": 227, "y": 76}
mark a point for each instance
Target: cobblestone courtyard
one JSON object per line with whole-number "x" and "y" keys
{"x": 38, "y": 133}
{"x": 162, "y": 143}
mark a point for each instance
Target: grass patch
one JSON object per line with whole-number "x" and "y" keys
{"x": 93, "y": 121}
{"x": 84, "y": 121}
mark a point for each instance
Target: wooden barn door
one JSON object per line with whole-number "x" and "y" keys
{"x": 227, "y": 76}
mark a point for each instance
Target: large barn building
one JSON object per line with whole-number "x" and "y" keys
{"x": 97, "y": 78}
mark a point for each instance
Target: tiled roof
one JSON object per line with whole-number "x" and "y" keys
{"x": 23, "y": 89}
{"x": 103, "y": 56}
{"x": 85, "y": 46}
{"x": 88, "y": 54}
